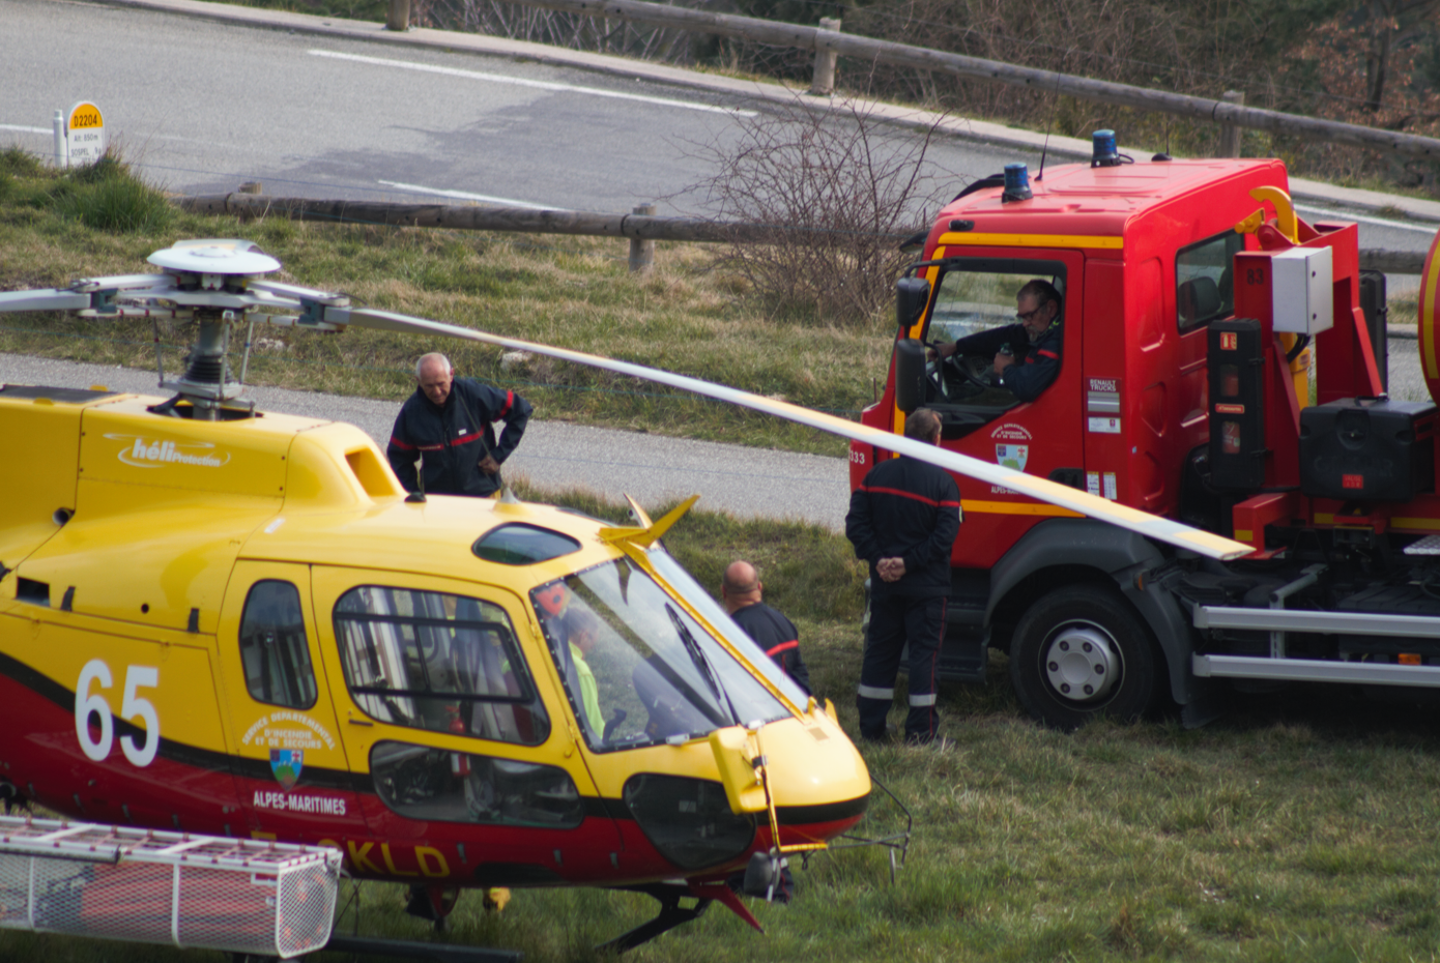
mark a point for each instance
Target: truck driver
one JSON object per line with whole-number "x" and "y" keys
{"x": 1034, "y": 360}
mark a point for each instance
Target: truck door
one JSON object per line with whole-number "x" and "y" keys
{"x": 1042, "y": 436}
{"x": 470, "y": 770}
{"x": 289, "y": 758}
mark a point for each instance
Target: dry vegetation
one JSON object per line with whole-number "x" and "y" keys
{"x": 854, "y": 188}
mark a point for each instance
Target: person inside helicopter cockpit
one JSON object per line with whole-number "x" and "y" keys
{"x": 639, "y": 669}
{"x": 1026, "y": 355}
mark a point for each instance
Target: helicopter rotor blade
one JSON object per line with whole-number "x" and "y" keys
{"x": 1040, "y": 489}
{"x": 43, "y": 299}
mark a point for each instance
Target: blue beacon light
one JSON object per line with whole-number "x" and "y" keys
{"x": 1017, "y": 183}
{"x": 1103, "y": 153}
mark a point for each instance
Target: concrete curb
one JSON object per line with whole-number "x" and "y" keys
{"x": 975, "y": 130}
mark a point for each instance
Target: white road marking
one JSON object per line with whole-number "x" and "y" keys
{"x": 536, "y": 84}
{"x": 26, "y": 130}
{"x": 464, "y": 195}
{"x": 1365, "y": 219}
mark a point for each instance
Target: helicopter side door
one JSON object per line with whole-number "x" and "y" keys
{"x": 288, "y": 757}
{"x": 458, "y": 743}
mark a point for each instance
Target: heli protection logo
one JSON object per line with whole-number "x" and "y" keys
{"x": 142, "y": 452}
{"x": 286, "y": 765}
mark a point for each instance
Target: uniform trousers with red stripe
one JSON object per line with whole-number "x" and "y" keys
{"x": 895, "y": 620}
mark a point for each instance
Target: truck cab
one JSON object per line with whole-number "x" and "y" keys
{"x": 1145, "y": 257}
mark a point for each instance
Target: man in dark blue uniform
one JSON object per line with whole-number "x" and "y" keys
{"x": 741, "y": 590}
{"x": 1035, "y": 342}
{"x": 903, "y": 521}
{"x": 449, "y": 423}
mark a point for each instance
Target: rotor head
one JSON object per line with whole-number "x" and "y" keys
{"x": 215, "y": 256}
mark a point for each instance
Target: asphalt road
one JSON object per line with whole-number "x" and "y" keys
{"x": 746, "y": 482}
{"x": 201, "y": 107}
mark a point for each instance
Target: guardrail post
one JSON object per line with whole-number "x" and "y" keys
{"x": 399, "y": 17}
{"x": 1229, "y": 133}
{"x": 642, "y": 253}
{"x": 251, "y": 187}
{"x": 823, "y": 82}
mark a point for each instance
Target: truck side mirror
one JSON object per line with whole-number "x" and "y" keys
{"x": 911, "y": 296}
{"x": 909, "y": 374}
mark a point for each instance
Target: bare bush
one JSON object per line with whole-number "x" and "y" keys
{"x": 837, "y": 193}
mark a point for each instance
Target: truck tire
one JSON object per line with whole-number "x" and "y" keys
{"x": 1081, "y": 652}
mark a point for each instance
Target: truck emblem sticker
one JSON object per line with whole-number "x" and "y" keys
{"x": 1094, "y": 480}
{"x": 286, "y": 765}
{"x": 1105, "y": 384}
{"x": 1011, "y": 432}
{"x": 1105, "y": 426}
{"x": 1012, "y": 456}
{"x": 141, "y": 452}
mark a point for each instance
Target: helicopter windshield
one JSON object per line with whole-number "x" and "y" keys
{"x": 638, "y": 669}
{"x": 682, "y": 581}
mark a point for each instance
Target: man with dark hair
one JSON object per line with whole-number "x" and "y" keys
{"x": 741, "y": 590}
{"x": 1034, "y": 358}
{"x": 449, "y": 423}
{"x": 903, "y": 521}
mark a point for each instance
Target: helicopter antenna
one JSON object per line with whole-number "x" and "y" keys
{"x": 418, "y": 495}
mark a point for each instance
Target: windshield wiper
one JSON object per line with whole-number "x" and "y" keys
{"x": 702, "y": 664}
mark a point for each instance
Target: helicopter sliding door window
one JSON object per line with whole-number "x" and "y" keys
{"x": 1205, "y": 280}
{"x": 447, "y": 663}
{"x": 273, "y": 647}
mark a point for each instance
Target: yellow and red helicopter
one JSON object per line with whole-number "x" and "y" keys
{"x": 238, "y": 623}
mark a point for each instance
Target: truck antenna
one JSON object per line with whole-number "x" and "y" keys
{"x": 1045, "y": 148}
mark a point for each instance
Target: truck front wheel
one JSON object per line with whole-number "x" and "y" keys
{"x": 1082, "y": 652}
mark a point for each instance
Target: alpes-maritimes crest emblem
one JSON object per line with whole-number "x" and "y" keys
{"x": 286, "y": 765}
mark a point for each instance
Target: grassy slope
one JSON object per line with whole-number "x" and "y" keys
{"x": 1290, "y": 831}
{"x": 573, "y": 292}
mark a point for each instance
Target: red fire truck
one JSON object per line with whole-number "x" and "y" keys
{"x": 1193, "y": 300}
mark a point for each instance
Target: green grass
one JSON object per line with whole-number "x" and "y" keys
{"x": 1294, "y": 829}
{"x": 573, "y": 292}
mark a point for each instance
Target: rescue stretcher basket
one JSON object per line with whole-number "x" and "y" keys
{"x": 148, "y": 886}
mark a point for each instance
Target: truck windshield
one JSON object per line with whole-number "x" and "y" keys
{"x": 637, "y": 668}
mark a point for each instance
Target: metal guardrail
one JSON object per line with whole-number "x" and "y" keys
{"x": 829, "y": 40}
{"x": 638, "y": 228}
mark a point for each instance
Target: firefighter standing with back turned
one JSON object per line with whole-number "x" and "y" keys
{"x": 903, "y": 520}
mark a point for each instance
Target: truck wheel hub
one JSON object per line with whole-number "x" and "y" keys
{"x": 1081, "y": 662}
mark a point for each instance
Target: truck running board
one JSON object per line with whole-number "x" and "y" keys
{"x": 1323, "y": 623}
{"x": 1311, "y": 670}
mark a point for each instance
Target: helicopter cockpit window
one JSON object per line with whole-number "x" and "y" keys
{"x": 447, "y": 663}
{"x": 522, "y": 545}
{"x": 422, "y": 782}
{"x": 273, "y": 647}
{"x": 638, "y": 669}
